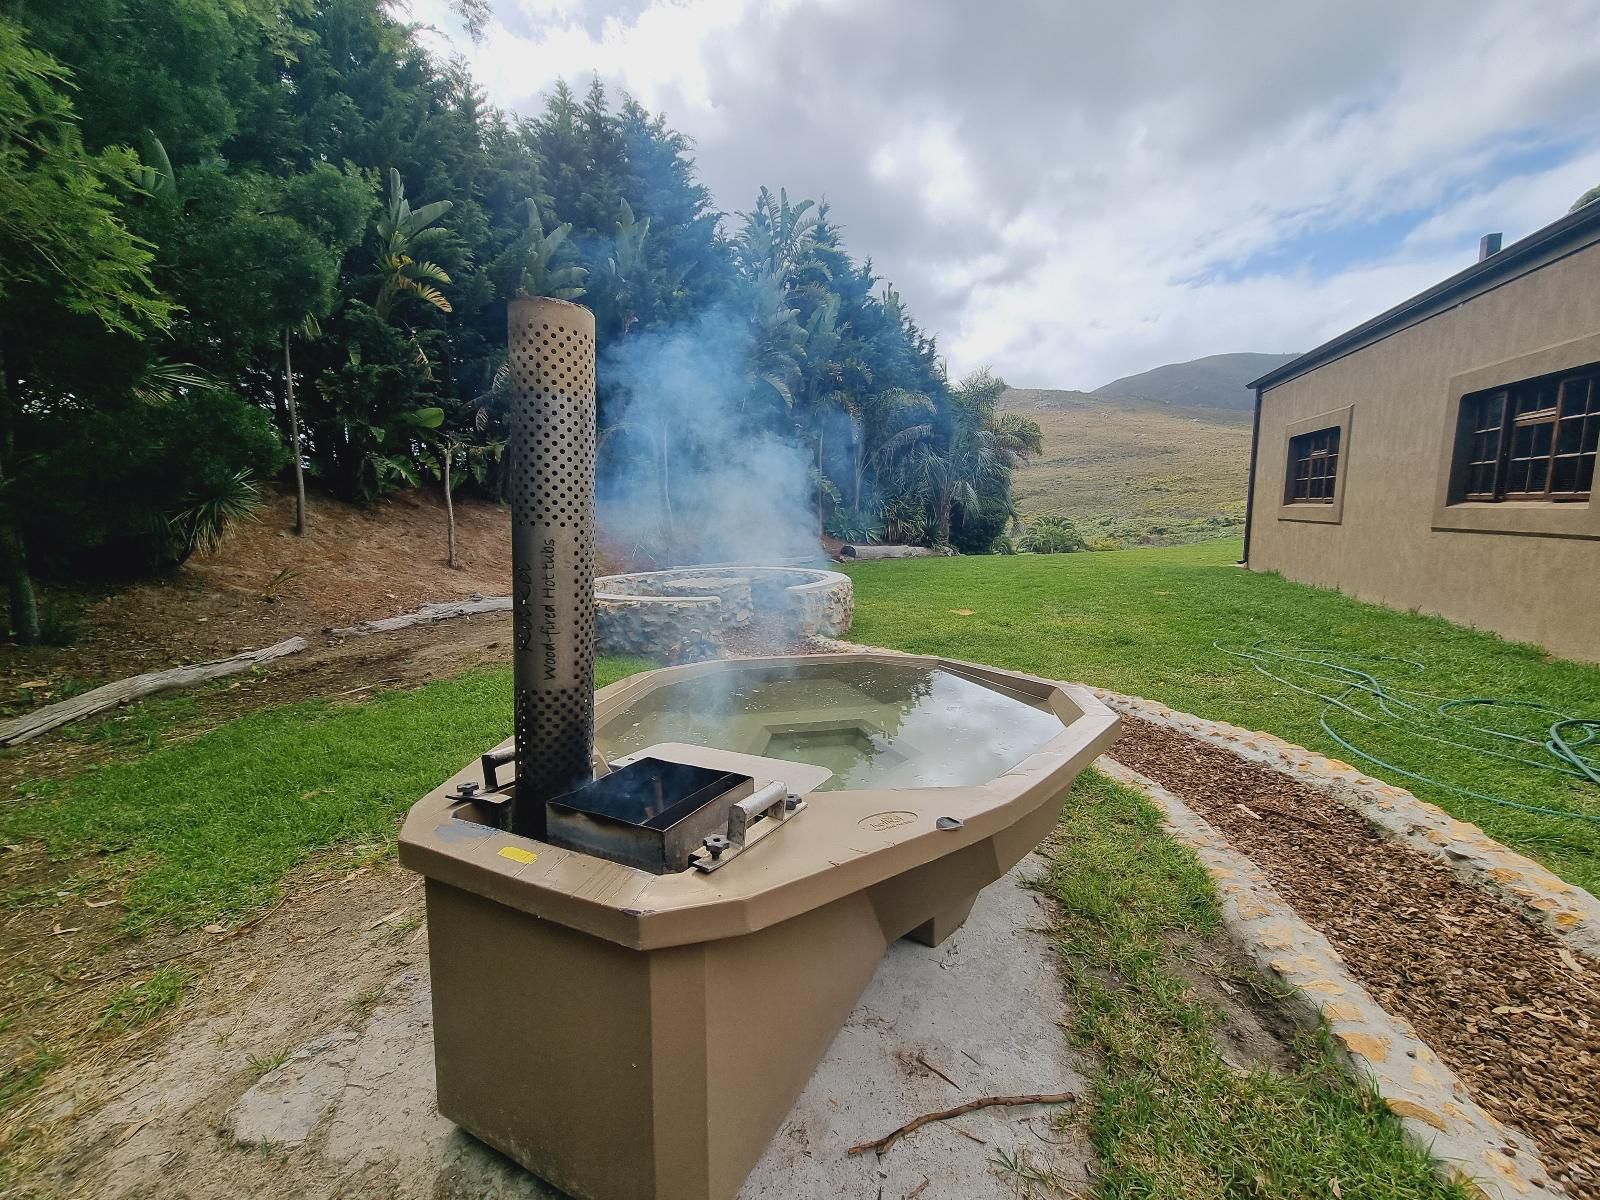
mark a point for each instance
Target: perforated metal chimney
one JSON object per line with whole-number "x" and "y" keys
{"x": 552, "y": 453}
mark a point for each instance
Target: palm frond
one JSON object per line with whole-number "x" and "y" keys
{"x": 161, "y": 381}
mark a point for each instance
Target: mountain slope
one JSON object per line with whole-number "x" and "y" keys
{"x": 1217, "y": 381}
{"x": 1140, "y": 472}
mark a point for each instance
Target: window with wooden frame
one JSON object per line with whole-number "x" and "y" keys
{"x": 1313, "y": 467}
{"x": 1531, "y": 440}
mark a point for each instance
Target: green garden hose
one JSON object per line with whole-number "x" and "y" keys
{"x": 1346, "y": 681}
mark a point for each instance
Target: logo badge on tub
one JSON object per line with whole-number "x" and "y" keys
{"x": 878, "y": 822}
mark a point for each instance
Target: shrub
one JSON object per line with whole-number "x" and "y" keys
{"x": 852, "y": 525}
{"x": 976, "y": 529}
{"x": 120, "y": 492}
{"x": 905, "y": 521}
{"x": 60, "y": 623}
{"x": 1052, "y": 535}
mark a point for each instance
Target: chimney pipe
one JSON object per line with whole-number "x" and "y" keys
{"x": 552, "y": 451}
{"x": 1488, "y": 244}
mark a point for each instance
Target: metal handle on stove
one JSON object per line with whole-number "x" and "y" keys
{"x": 773, "y": 801}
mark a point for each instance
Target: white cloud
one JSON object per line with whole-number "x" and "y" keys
{"x": 1075, "y": 192}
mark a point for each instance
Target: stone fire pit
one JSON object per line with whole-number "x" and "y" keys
{"x": 643, "y": 612}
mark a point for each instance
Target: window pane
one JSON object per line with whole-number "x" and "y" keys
{"x": 1564, "y": 477}
{"x": 1569, "y": 435}
{"x": 1538, "y": 471}
{"x": 1585, "y": 480}
{"x": 1575, "y": 396}
{"x": 1517, "y": 476}
{"x": 1522, "y": 441}
{"x": 1591, "y": 434}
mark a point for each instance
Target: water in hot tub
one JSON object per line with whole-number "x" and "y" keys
{"x": 871, "y": 724}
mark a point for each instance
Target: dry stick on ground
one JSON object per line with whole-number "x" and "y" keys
{"x": 882, "y": 1144}
{"x": 32, "y": 724}
{"x": 427, "y": 613}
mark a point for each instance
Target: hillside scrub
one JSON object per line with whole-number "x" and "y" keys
{"x": 1134, "y": 472}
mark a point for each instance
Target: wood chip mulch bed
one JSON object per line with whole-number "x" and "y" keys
{"x": 1514, "y": 1014}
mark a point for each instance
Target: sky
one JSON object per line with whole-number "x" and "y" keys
{"x": 1070, "y": 192}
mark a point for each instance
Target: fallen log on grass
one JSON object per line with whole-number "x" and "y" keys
{"x": 428, "y": 613}
{"x": 864, "y": 552}
{"x": 64, "y": 712}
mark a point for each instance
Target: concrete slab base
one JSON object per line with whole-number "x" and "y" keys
{"x": 977, "y": 1015}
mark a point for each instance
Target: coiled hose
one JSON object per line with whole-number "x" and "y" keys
{"x": 1347, "y": 679}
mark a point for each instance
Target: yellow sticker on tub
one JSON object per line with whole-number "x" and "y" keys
{"x": 518, "y": 854}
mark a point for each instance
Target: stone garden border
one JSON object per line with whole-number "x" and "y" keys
{"x": 1567, "y": 911}
{"x": 1434, "y": 1106}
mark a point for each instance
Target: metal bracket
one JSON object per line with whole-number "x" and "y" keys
{"x": 773, "y": 804}
{"x": 492, "y": 760}
{"x": 492, "y": 804}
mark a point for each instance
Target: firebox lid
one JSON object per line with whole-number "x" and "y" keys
{"x": 620, "y": 795}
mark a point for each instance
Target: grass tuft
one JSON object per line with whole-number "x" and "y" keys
{"x": 265, "y": 1064}
{"x": 142, "y": 1002}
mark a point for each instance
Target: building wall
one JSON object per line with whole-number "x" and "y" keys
{"x": 1526, "y": 571}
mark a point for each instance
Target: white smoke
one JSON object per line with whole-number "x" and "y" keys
{"x": 689, "y": 470}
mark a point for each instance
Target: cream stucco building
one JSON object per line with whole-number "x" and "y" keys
{"x": 1441, "y": 456}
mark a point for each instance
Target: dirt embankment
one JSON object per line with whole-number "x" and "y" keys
{"x": 266, "y": 584}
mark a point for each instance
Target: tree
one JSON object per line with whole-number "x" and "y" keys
{"x": 1587, "y": 198}
{"x": 403, "y": 233}
{"x": 622, "y": 283}
{"x": 62, "y": 244}
{"x": 283, "y": 240}
{"x": 887, "y": 425}
{"x": 271, "y": 222}
{"x": 972, "y": 468}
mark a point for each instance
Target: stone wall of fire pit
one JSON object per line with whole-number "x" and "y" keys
{"x": 653, "y": 611}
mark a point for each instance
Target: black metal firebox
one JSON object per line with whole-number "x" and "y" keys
{"x": 651, "y": 814}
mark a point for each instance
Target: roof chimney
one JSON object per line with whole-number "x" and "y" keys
{"x": 1488, "y": 244}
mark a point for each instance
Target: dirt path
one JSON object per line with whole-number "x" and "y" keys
{"x": 130, "y": 1110}
{"x": 1514, "y": 1014}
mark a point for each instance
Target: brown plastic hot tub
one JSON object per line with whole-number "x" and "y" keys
{"x": 639, "y": 1032}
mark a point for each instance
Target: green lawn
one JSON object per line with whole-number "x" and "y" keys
{"x": 1143, "y": 622}
{"x": 204, "y": 830}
